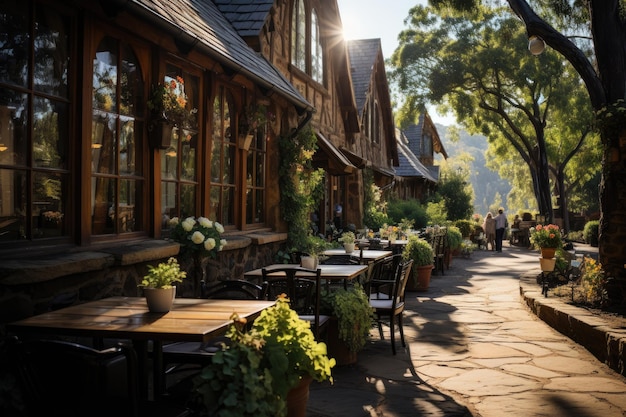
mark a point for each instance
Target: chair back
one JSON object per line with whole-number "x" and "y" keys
{"x": 60, "y": 378}
{"x": 383, "y": 276}
{"x": 233, "y": 290}
{"x": 302, "y": 286}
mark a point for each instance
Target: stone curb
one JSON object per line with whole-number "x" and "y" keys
{"x": 606, "y": 343}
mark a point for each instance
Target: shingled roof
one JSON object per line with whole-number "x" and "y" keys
{"x": 202, "y": 24}
{"x": 246, "y": 16}
{"x": 410, "y": 165}
{"x": 363, "y": 53}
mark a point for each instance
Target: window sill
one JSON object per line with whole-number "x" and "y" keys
{"x": 47, "y": 268}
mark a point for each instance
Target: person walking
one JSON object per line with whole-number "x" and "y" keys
{"x": 489, "y": 226}
{"x": 501, "y": 225}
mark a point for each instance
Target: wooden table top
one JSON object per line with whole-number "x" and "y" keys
{"x": 128, "y": 318}
{"x": 369, "y": 255}
{"x": 329, "y": 272}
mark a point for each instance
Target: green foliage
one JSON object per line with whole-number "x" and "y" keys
{"x": 300, "y": 185}
{"x": 456, "y": 193}
{"x": 201, "y": 235}
{"x": 419, "y": 250}
{"x": 465, "y": 227}
{"x": 412, "y": 209}
{"x": 454, "y": 237}
{"x": 252, "y": 375}
{"x": 591, "y": 232}
{"x": 354, "y": 314}
{"x": 164, "y": 275}
{"x": 347, "y": 237}
{"x": 374, "y": 208}
{"x": 437, "y": 213}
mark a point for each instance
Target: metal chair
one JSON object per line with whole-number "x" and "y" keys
{"x": 303, "y": 287}
{"x": 389, "y": 305}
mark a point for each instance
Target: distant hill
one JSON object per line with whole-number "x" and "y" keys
{"x": 486, "y": 183}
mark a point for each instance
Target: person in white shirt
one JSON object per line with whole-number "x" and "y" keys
{"x": 501, "y": 225}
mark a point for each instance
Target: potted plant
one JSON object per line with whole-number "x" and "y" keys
{"x": 348, "y": 239}
{"x": 168, "y": 108}
{"x": 158, "y": 285}
{"x": 422, "y": 254}
{"x": 547, "y": 238}
{"x": 314, "y": 248}
{"x": 351, "y": 319}
{"x": 454, "y": 239}
{"x": 259, "y": 371}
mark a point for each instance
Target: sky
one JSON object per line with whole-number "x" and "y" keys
{"x": 383, "y": 19}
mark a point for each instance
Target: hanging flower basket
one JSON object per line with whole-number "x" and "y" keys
{"x": 160, "y": 133}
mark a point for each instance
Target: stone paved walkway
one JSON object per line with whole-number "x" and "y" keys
{"x": 474, "y": 349}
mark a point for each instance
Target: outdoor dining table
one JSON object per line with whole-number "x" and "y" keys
{"x": 190, "y": 320}
{"x": 366, "y": 255}
{"x": 328, "y": 272}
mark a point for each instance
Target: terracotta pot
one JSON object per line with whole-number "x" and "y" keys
{"x": 423, "y": 274}
{"x": 548, "y": 253}
{"x": 159, "y": 300}
{"x": 547, "y": 264}
{"x": 297, "y": 398}
{"x": 337, "y": 348}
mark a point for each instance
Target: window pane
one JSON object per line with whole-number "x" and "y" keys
{"x": 51, "y": 52}
{"x": 12, "y": 204}
{"x": 131, "y": 84}
{"x": 13, "y": 132}
{"x": 187, "y": 200}
{"x": 169, "y": 159}
{"x": 168, "y": 201}
{"x": 129, "y": 209}
{"x": 228, "y": 198}
{"x": 298, "y": 37}
{"x": 188, "y": 161}
{"x": 105, "y": 76}
{"x": 316, "y": 50}
{"x": 49, "y": 193}
{"x": 259, "y": 206}
{"x": 103, "y": 143}
{"x": 50, "y": 137}
{"x": 102, "y": 204}
{"x": 129, "y": 163}
{"x": 14, "y": 44}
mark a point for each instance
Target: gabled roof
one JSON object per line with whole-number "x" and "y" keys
{"x": 410, "y": 165}
{"x": 415, "y": 136}
{"x": 246, "y": 16}
{"x": 202, "y": 24}
{"x": 363, "y": 53}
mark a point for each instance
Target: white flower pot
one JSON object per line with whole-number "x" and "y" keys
{"x": 349, "y": 247}
{"x": 160, "y": 300}
{"x": 308, "y": 262}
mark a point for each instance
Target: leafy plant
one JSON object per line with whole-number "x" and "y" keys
{"x": 347, "y": 237}
{"x": 169, "y": 101}
{"x": 354, "y": 314}
{"x": 164, "y": 275}
{"x": 453, "y": 237}
{"x": 465, "y": 227}
{"x": 419, "y": 250}
{"x": 591, "y": 232}
{"x": 252, "y": 375}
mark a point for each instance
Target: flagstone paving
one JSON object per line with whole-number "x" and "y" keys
{"x": 474, "y": 349}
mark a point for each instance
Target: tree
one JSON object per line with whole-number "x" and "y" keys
{"x": 510, "y": 101}
{"x": 605, "y": 81}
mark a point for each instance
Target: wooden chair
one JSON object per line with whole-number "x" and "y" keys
{"x": 65, "y": 379}
{"x": 234, "y": 289}
{"x": 303, "y": 287}
{"x": 388, "y": 304}
{"x": 438, "y": 243}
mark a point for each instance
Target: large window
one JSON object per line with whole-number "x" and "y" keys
{"x": 255, "y": 177}
{"x": 223, "y": 154}
{"x": 179, "y": 162}
{"x": 34, "y": 122}
{"x": 306, "y": 41}
{"x": 117, "y": 172}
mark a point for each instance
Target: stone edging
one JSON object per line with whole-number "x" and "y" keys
{"x": 606, "y": 343}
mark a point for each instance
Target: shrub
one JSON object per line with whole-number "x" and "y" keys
{"x": 455, "y": 239}
{"x": 398, "y": 210}
{"x": 591, "y": 232}
{"x": 465, "y": 227}
{"x": 419, "y": 250}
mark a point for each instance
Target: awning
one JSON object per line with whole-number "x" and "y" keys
{"x": 357, "y": 160}
{"x": 383, "y": 176}
{"x": 329, "y": 157}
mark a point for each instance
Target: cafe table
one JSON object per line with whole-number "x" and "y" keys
{"x": 328, "y": 272}
{"x": 365, "y": 256}
{"x": 190, "y": 320}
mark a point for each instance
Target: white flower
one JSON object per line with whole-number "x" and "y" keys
{"x": 204, "y": 222}
{"x": 219, "y": 227}
{"x": 188, "y": 224}
{"x": 222, "y": 243}
{"x": 197, "y": 238}
{"x": 209, "y": 244}
{"x": 173, "y": 221}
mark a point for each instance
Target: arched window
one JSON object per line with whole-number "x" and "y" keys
{"x": 117, "y": 174}
{"x": 306, "y": 41}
